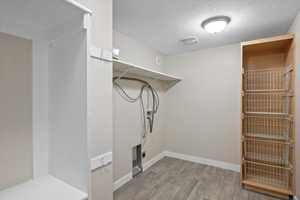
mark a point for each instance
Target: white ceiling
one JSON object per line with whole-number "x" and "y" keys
{"x": 160, "y": 24}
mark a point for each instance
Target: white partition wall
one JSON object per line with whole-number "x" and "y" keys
{"x": 40, "y": 108}
{"x": 67, "y": 109}
{"x": 44, "y": 127}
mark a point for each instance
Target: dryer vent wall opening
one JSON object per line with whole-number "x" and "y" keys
{"x": 137, "y": 166}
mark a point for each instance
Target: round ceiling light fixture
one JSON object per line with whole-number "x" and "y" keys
{"x": 215, "y": 24}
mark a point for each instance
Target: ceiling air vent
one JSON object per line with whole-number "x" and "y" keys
{"x": 190, "y": 41}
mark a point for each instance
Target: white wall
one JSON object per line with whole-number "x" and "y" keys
{"x": 127, "y": 116}
{"x": 203, "y": 110}
{"x": 40, "y": 108}
{"x": 16, "y": 110}
{"x": 202, "y": 113}
{"x": 68, "y": 156}
{"x": 128, "y": 128}
{"x": 295, "y": 29}
{"x": 136, "y": 52}
{"x": 99, "y": 75}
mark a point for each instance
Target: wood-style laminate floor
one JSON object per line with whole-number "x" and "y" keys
{"x": 173, "y": 179}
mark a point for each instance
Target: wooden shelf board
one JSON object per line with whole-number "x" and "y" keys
{"x": 266, "y": 90}
{"x": 268, "y": 187}
{"x": 275, "y": 44}
{"x": 120, "y": 66}
{"x": 266, "y": 113}
{"x": 280, "y": 38}
{"x": 266, "y": 136}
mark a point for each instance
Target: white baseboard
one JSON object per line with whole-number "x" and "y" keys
{"x": 153, "y": 161}
{"x": 224, "y": 165}
{"x": 205, "y": 161}
{"x": 122, "y": 181}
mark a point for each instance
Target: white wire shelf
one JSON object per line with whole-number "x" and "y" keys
{"x": 267, "y": 113}
{"x": 267, "y": 90}
{"x": 274, "y": 176}
{"x": 275, "y": 152}
{"x": 267, "y": 80}
{"x": 267, "y": 136}
{"x": 267, "y": 103}
{"x": 122, "y": 68}
{"x": 265, "y": 158}
{"x": 268, "y": 127}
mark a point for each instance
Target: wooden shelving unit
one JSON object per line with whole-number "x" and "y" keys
{"x": 121, "y": 67}
{"x": 267, "y": 118}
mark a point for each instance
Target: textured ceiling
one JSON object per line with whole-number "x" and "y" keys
{"x": 160, "y": 24}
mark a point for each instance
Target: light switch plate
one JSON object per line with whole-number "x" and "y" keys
{"x": 96, "y": 52}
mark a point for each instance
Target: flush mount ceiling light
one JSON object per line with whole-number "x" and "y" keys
{"x": 215, "y": 24}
